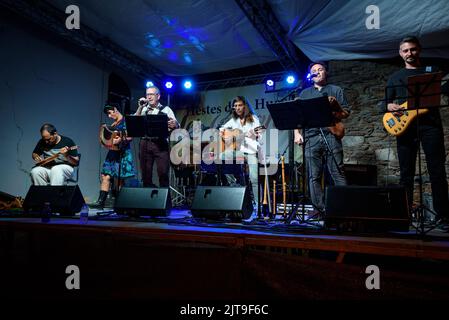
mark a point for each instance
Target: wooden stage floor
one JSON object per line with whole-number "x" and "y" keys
{"x": 177, "y": 257}
{"x": 178, "y": 226}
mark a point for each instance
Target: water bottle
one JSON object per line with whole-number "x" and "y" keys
{"x": 84, "y": 214}
{"x": 46, "y": 212}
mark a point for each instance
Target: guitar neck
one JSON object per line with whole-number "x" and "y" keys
{"x": 53, "y": 157}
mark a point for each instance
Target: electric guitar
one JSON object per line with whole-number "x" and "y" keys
{"x": 52, "y": 158}
{"x": 398, "y": 124}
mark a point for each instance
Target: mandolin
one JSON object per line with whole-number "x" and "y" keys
{"x": 396, "y": 125}
{"x": 52, "y": 158}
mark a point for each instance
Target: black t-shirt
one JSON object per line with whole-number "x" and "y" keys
{"x": 42, "y": 149}
{"x": 396, "y": 91}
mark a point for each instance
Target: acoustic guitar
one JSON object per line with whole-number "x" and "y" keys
{"x": 52, "y": 158}
{"x": 236, "y": 135}
{"x": 396, "y": 125}
{"x": 338, "y": 130}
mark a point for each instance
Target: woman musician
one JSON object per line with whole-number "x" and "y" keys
{"x": 248, "y": 125}
{"x": 119, "y": 152}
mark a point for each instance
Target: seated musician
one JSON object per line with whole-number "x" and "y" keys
{"x": 55, "y": 157}
{"x": 119, "y": 152}
{"x": 244, "y": 119}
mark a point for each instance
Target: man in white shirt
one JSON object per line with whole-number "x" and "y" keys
{"x": 244, "y": 119}
{"x": 155, "y": 149}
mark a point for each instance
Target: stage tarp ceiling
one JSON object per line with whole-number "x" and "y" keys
{"x": 187, "y": 37}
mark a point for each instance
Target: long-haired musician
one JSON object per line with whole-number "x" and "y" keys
{"x": 119, "y": 159}
{"x": 245, "y": 120}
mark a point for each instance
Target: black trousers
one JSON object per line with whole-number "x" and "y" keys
{"x": 432, "y": 142}
{"x": 150, "y": 152}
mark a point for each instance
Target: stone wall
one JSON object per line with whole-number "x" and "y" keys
{"x": 366, "y": 142}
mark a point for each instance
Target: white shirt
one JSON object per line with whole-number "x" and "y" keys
{"x": 249, "y": 145}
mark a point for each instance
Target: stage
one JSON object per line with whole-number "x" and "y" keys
{"x": 188, "y": 259}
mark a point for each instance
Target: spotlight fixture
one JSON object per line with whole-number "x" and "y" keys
{"x": 187, "y": 84}
{"x": 169, "y": 84}
{"x": 269, "y": 85}
{"x": 290, "y": 79}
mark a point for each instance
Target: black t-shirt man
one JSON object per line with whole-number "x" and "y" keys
{"x": 44, "y": 150}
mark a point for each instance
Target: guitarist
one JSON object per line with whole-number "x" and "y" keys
{"x": 316, "y": 153}
{"x": 245, "y": 120}
{"x": 55, "y": 172}
{"x": 430, "y": 131}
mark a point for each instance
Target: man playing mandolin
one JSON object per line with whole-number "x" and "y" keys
{"x": 55, "y": 157}
{"x": 430, "y": 131}
{"x": 316, "y": 152}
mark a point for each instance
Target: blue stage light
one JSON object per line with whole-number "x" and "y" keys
{"x": 149, "y": 84}
{"x": 269, "y": 85}
{"x": 290, "y": 79}
{"x": 169, "y": 84}
{"x": 188, "y": 84}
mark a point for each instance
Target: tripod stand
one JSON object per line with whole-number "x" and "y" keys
{"x": 301, "y": 114}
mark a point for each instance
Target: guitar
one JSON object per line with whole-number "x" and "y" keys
{"x": 236, "y": 135}
{"x": 338, "y": 130}
{"x": 107, "y": 136}
{"x": 52, "y": 158}
{"x": 396, "y": 125}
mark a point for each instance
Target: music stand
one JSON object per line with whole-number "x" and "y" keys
{"x": 424, "y": 91}
{"x": 301, "y": 114}
{"x": 148, "y": 126}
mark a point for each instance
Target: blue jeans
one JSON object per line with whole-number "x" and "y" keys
{"x": 317, "y": 155}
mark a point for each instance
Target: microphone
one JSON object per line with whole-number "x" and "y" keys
{"x": 143, "y": 103}
{"x": 310, "y": 76}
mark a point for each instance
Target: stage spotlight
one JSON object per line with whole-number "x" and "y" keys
{"x": 269, "y": 85}
{"x": 149, "y": 84}
{"x": 169, "y": 84}
{"x": 290, "y": 79}
{"x": 188, "y": 85}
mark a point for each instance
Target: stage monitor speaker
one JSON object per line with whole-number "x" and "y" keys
{"x": 361, "y": 174}
{"x": 143, "y": 201}
{"x": 65, "y": 200}
{"x": 220, "y": 203}
{"x": 366, "y": 209}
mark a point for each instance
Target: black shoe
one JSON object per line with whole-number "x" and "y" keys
{"x": 100, "y": 202}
